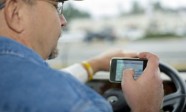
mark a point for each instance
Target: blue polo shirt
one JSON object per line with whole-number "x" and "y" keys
{"x": 28, "y": 84}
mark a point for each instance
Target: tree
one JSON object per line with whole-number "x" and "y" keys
{"x": 157, "y": 6}
{"x": 136, "y": 8}
{"x": 70, "y": 13}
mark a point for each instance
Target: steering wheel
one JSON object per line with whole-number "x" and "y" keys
{"x": 175, "y": 100}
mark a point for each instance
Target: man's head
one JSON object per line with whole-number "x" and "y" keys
{"x": 34, "y": 23}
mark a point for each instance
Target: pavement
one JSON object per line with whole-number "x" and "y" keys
{"x": 172, "y": 51}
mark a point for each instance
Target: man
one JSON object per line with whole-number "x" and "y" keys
{"x": 29, "y": 31}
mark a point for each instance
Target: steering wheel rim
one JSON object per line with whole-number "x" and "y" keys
{"x": 174, "y": 99}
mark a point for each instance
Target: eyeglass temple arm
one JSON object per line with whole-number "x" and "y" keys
{"x": 62, "y": 1}
{"x": 2, "y": 5}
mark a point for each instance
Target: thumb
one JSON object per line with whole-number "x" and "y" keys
{"x": 128, "y": 76}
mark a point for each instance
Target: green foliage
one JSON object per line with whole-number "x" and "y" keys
{"x": 150, "y": 35}
{"x": 136, "y": 8}
{"x": 157, "y": 6}
{"x": 71, "y": 13}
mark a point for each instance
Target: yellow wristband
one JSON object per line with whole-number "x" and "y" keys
{"x": 88, "y": 69}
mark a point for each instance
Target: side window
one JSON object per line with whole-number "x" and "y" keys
{"x": 157, "y": 26}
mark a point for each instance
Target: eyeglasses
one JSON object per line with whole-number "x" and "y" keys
{"x": 2, "y": 5}
{"x": 57, "y": 4}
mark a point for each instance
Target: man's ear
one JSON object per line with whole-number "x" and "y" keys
{"x": 12, "y": 11}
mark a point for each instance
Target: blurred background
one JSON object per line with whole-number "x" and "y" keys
{"x": 157, "y": 26}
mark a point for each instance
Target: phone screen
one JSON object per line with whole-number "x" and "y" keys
{"x": 119, "y": 65}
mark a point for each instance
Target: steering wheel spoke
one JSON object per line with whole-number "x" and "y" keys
{"x": 177, "y": 99}
{"x": 172, "y": 99}
{"x": 173, "y": 102}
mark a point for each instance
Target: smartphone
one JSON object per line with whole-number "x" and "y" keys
{"x": 118, "y": 65}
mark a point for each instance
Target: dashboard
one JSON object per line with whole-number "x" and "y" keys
{"x": 110, "y": 91}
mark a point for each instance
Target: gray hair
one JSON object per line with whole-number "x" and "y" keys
{"x": 2, "y": 2}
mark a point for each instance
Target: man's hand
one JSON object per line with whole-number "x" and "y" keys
{"x": 102, "y": 61}
{"x": 146, "y": 93}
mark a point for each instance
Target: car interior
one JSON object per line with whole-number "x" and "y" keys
{"x": 157, "y": 26}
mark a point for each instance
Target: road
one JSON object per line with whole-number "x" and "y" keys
{"x": 172, "y": 51}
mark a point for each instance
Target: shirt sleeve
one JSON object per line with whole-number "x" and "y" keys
{"x": 78, "y": 71}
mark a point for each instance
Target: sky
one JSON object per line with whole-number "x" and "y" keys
{"x": 112, "y": 7}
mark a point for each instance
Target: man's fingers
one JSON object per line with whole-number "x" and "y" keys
{"x": 128, "y": 75}
{"x": 153, "y": 60}
{"x": 131, "y": 54}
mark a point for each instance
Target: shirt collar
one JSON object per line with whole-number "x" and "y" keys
{"x": 10, "y": 46}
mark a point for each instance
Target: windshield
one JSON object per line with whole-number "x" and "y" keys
{"x": 94, "y": 26}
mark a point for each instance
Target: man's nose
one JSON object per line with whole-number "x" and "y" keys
{"x": 63, "y": 21}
